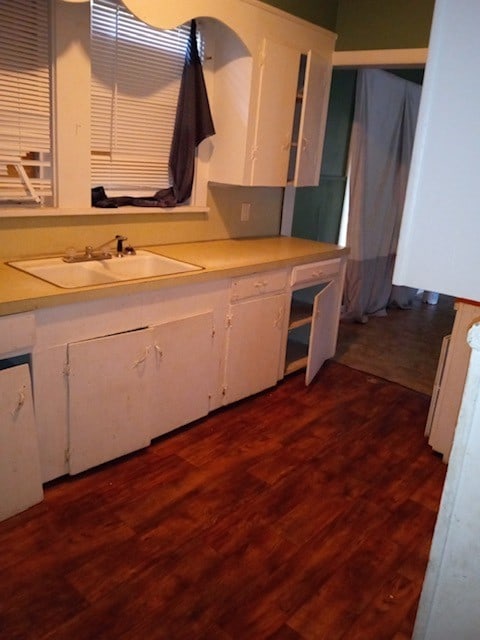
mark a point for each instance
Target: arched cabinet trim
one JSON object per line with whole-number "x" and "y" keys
{"x": 169, "y": 14}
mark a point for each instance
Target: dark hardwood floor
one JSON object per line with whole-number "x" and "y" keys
{"x": 299, "y": 513}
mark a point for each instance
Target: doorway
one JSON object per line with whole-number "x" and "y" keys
{"x": 394, "y": 347}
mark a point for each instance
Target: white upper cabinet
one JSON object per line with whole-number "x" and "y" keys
{"x": 268, "y": 80}
{"x": 313, "y": 98}
{"x": 269, "y": 112}
{"x": 268, "y": 158}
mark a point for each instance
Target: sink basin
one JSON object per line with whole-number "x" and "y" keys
{"x": 84, "y": 274}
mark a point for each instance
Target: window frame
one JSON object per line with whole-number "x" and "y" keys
{"x": 71, "y": 119}
{"x": 25, "y": 86}
{"x": 136, "y": 76}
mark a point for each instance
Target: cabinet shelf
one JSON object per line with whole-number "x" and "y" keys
{"x": 313, "y": 317}
{"x": 300, "y": 314}
{"x": 297, "y": 356}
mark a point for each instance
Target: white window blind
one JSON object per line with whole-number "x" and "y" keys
{"x": 24, "y": 101}
{"x": 136, "y": 74}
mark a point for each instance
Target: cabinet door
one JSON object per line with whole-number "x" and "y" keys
{"x": 180, "y": 385}
{"x": 51, "y": 409}
{"x": 313, "y": 119}
{"x": 275, "y": 113}
{"x": 20, "y": 476}
{"x": 323, "y": 334}
{"x": 254, "y": 340}
{"x": 107, "y": 398}
{"x": 453, "y": 379}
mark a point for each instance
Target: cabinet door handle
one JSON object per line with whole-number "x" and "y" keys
{"x": 317, "y": 274}
{"x": 304, "y": 144}
{"x": 260, "y": 284}
{"x": 20, "y": 402}
{"x": 159, "y": 351}
{"x": 141, "y": 359}
{"x": 278, "y": 322}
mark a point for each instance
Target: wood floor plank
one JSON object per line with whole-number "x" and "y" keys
{"x": 285, "y": 633}
{"x": 392, "y": 602}
{"x": 343, "y": 597}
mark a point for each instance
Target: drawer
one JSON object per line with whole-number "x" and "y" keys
{"x": 258, "y": 284}
{"x": 17, "y": 334}
{"x": 315, "y": 272}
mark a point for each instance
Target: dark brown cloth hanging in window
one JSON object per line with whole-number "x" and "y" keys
{"x": 193, "y": 123}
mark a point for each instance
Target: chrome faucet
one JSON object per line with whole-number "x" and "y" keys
{"x": 90, "y": 251}
{"x": 100, "y": 253}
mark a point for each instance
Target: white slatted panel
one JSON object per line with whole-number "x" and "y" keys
{"x": 24, "y": 97}
{"x": 136, "y": 73}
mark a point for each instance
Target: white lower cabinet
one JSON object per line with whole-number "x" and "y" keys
{"x": 107, "y": 398}
{"x": 255, "y": 329}
{"x": 314, "y": 316}
{"x": 50, "y": 386}
{"x": 449, "y": 384}
{"x": 254, "y": 342}
{"x": 312, "y": 332}
{"x": 112, "y": 374}
{"x": 20, "y": 475}
{"x": 183, "y": 363}
{"x": 127, "y": 388}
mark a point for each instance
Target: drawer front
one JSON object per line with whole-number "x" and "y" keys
{"x": 17, "y": 334}
{"x": 258, "y": 284}
{"x": 315, "y": 272}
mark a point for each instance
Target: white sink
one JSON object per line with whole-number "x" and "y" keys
{"x": 69, "y": 275}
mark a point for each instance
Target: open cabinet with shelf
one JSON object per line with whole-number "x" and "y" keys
{"x": 314, "y": 316}
{"x": 297, "y": 350}
{"x": 300, "y": 330}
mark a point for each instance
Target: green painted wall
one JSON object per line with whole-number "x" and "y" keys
{"x": 367, "y": 24}
{"x": 321, "y": 12}
{"x": 317, "y": 211}
{"x": 383, "y": 24}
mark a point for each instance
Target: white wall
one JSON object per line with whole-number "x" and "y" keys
{"x": 438, "y": 246}
{"x": 438, "y": 250}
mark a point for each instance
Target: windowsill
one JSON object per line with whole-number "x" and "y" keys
{"x": 30, "y": 211}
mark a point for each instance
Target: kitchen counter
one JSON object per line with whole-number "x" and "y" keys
{"x": 20, "y": 292}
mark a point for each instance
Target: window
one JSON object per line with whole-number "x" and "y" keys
{"x": 25, "y": 149}
{"x": 136, "y": 73}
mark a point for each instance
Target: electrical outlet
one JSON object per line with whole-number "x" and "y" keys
{"x": 245, "y": 212}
